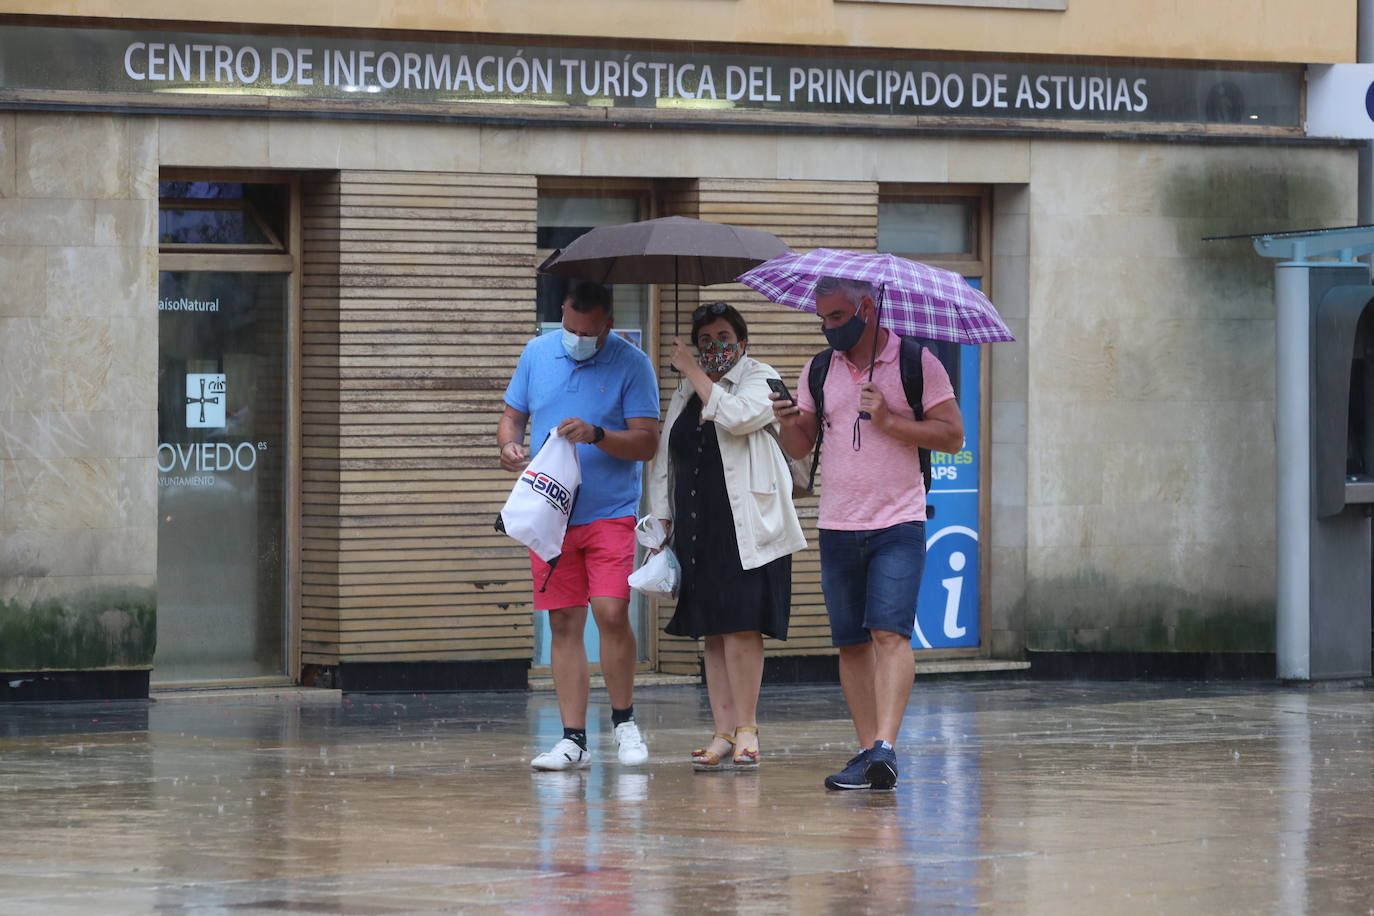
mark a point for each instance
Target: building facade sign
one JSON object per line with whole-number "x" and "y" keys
{"x": 173, "y": 64}
{"x": 1340, "y": 101}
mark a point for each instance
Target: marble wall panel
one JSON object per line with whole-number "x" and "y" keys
{"x": 843, "y": 158}
{"x": 1007, "y": 455}
{"x": 1008, "y": 423}
{"x": 30, "y": 376}
{"x": 1010, "y": 362}
{"x": 78, "y": 368}
{"x": 23, "y": 282}
{"x": 909, "y": 159}
{"x": 1009, "y": 468}
{"x": 680, "y": 155}
{"x": 34, "y": 554}
{"x": 321, "y": 145}
{"x": 1239, "y": 424}
{"x": 83, "y": 350}
{"x": 545, "y": 152}
{"x": 110, "y": 282}
{"x": 8, "y": 178}
{"x": 25, "y": 221}
{"x": 428, "y": 147}
{"x": 989, "y": 161}
{"x": 1008, "y": 199}
{"x": 1187, "y": 361}
{"x": 144, "y": 166}
{"x": 78, "y": 434}
{"x": 74, "y": 156}
{"x": 127, "y": 222}
{"x": 66, "y": 493}
{"x": 1010, "y": 283}
{"x": 183, "y": 141}
{"x": 1065, "y": 474}
{"x": 1146, "y": 287}
{"x": 85, "y": 596}
{"x": 1180, "y": 477}
{"x": 1075, "y": 359}
{"x": 1008, "y": 528}
{"x": 1150, "y": 420}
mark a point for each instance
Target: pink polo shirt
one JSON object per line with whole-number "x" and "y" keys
{"x": 880, "y": 485}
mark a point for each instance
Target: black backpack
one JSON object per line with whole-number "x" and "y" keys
{"x": 913, "y": 384}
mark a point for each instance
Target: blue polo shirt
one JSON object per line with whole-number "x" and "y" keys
{"x": 611, "y": 387}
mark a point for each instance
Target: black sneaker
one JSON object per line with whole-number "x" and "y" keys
{"x": 854, "y": 775}
{"x": 881, "y": 771}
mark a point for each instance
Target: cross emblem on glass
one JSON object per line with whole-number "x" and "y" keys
{"x": 205, "y": 396}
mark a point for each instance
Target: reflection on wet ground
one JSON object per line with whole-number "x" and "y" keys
{"x": 1015, "y": 797}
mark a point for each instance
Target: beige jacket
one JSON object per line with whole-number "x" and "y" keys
{"x": 757, "y": 478}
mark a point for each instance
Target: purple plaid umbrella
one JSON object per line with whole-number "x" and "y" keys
{"x": 914, "y": 299}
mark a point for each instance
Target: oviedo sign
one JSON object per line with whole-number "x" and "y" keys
{"x": 318, "y": 68}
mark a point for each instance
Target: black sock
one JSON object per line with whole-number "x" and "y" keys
{"x": 577, "y": 736}
{"x": 622, "y": 715}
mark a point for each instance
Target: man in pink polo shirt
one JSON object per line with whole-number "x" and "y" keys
{"x": 872, "y": 512}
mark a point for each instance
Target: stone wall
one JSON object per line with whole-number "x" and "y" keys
{"x": 1150, "y": 424}
{"x": 78, "y": 391}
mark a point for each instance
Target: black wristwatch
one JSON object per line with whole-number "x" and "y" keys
{"x": 597, "y": 434}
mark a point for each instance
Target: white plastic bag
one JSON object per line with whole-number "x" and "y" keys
{"x": 658, "y": 577}
{"x": 536, "y": 512}
{"x": 650, "y": 532}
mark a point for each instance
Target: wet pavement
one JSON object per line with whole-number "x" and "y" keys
{"x": 1015, "y": 797}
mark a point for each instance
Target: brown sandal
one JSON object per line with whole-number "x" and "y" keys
{"x": 706, "y": 761}
{"x": 747, "y": 759}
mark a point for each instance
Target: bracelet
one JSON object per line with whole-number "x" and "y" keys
{"x": 504, "y": 444}
{"x": 597, "y": 434}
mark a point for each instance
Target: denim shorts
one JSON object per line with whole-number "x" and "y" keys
{"x": 871, "y": 579}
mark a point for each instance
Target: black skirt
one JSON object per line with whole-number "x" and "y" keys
{"x": 717, "y": 594}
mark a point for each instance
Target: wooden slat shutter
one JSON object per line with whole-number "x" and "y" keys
{"x": 418, "y": 291}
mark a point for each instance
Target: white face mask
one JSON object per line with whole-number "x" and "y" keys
{"x": 579, "y": 348}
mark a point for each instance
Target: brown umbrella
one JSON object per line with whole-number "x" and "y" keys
{"x": 672, "y": 249}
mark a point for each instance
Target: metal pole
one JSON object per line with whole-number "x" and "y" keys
{"x": 1293, "y": 499}
{"x": 1364, "y": 53}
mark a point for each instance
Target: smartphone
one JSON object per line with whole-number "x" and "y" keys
{"x": 780, "y": 388}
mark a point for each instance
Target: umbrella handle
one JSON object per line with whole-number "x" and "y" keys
{"x": 877, "y": 317}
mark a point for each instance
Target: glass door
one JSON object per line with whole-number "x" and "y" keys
{"x": 223, "y": 330}
{"x": 221, "y": 475}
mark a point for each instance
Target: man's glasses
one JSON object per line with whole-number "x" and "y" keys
{"x": 715, "y": 308}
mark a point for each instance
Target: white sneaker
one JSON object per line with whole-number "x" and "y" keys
{"x": 565, "y": 755}
{"x": 633, "y": 750}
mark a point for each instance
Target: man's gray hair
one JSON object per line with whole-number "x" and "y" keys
{"x": 853, "y": 290}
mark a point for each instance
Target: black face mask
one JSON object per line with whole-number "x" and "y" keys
{"x": 846, "y": 335}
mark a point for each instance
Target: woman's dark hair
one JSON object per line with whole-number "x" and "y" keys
{"x": 707, "y": 314}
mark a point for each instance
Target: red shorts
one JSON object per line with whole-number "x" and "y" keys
{"x": 597, "y": 560}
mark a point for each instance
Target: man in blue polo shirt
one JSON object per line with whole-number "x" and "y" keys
{"x": 598, "y": 391}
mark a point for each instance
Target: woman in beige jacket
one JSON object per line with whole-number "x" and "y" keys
{"x": 722, "y": 486}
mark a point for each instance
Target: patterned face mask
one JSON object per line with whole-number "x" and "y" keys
{"x": 717, "y": 356}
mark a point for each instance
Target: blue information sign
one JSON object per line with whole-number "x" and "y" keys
{"x": 947, "y": 607}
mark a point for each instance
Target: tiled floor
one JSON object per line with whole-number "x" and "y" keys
{"x": 1016, "y": 797}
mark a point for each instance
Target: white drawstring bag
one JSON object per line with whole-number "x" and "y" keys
{"x": 537, "y": 511}
{"x": 659, "y": 576}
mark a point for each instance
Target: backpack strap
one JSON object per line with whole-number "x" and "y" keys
{"x": 914, "y": 384}
{"x": 815, "y": 383}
